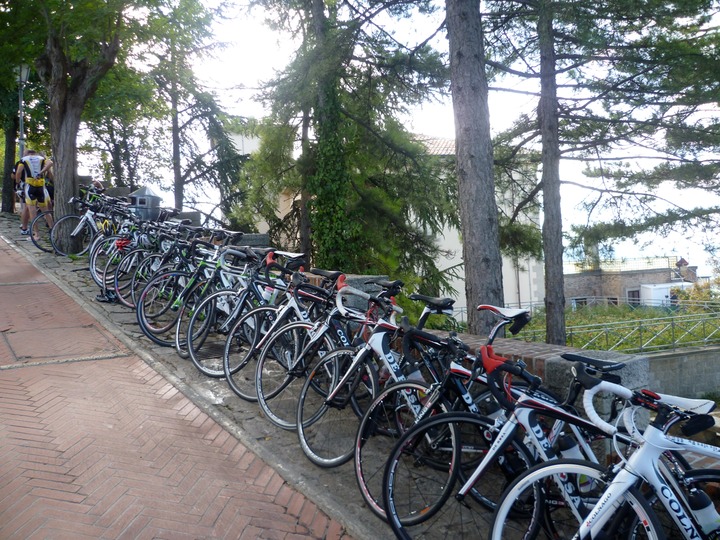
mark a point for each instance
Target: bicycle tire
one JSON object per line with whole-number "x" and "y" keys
{"x": 209, "y": 327}
{"x": 123, "y": 275}
{"x": 192, "y": 300}
{"x": 278, "y": 387}
{"x": 424, "y": 468}
{"x": 144, "y": 272}
{"x": 40, "y": 232}
{"x": 156, "y": 311}
{"x": 104, "y": 252}
{"x": 113, "y": 260}
{"x": 327, "y": 431}
{"x": 66, "y": 244}
{"x": 527, "y": 503}
{"x": 387, "y": 418}
{"x": 241, "y": 352}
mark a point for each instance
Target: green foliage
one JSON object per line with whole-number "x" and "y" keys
{"x": 333, "y": 227}
{"x": 372, "y": 199}
{"x": 128, "y": 138}
{"x": 273, "y": 164}
{"x": 714, "y": 396}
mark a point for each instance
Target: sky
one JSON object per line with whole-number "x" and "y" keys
{"x": 255, "y": 53}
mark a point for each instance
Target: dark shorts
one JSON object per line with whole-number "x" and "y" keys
{"x": 35, "y": 195}
{"x": 51, "y": 191}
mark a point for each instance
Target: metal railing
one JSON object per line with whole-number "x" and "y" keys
{"x": 646, "y": 335}
{"x": 687, "y": 324}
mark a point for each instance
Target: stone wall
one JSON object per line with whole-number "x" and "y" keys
{"x": 691, "y": 372}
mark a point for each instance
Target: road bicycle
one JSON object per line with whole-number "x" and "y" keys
{"x": 149, "y": 242}
{"x": 168, "y": 295}
{"x": 73, "y": 234}
{"x": 424, "y": 502}
{"x": 251, "y": 332}
{"x": 106, "y": 251}
{"x": 296, "y": 348}
{"x": 574, "y": 499}
{"x": 212, "y": 319}
{"x": 174, "y": 243}
{"x": 327, "y": 411}
{"x": 454, "y": 387}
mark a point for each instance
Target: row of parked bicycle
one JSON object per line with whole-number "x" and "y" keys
{"x": 446, "y": 442}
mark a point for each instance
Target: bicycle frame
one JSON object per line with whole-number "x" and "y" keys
{"x": 379, "y": 343}
{"x": 87, "y": 219}
{"x": 321, "y": 327}
{"x": 211, "y": 273}
{"x": 643, "y": 465}
{"x": 541, "y": 445}
{"x": 292, "y": 306}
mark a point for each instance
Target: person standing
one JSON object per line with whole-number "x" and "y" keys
{"x": 30, "y": 169}
{"x": 20, "y": 195}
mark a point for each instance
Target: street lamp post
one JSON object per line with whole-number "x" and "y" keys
{"x": 23, "y": 72}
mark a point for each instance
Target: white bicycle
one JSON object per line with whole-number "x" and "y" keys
{"x": 567, "y": 499}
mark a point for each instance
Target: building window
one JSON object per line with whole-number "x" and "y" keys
{"x": 612, "y": 301}
{"x": 634, "y": 297}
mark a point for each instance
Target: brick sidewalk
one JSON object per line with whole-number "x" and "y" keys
{"x": 94, "y": 443}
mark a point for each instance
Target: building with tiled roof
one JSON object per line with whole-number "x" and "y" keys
{"x": 438, "y": 147}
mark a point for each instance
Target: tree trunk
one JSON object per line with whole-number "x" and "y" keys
{"x": 8, "y": 186}
{"x": 69, "y": 85}
{"x": 178, "y": 183}
{"x": 304, "y": 227}
{"x": 552, "y": 224}
{"x": 116, "y": 163}
{"x": 476, "y": 185}
{"x": 65, "y": 147}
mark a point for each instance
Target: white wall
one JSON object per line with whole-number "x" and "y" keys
{"x": 523, "y": 284}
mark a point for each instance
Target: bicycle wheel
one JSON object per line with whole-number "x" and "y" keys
{"x": 123, "y": 275}
{"x": 424, "y": 468}
{"x": 387, "y": 418}
{"x": 104, "y": 253}
{"x": 540, "y": 503}
{"x": 40, "y": 232}
{"x": 241, "y": 350}
{"x": 160, "y": 306}
{"x": 327, "y": 428}
{"x": 70, "y": 237}
{"x": 209, "y": 327}
{"x": 192, "y": 301}
{"x": 144, "y": 272}
{"x": 283, "y": 364}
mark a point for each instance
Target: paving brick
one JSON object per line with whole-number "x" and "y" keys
{"x": 296, "y": 504}
{"x": 334, "y": 531}
{"x": 93, "y": 448}
{"x": 22, "y": 529}
{"x": 307, "y": 513}
{"x": 319, "y": 524}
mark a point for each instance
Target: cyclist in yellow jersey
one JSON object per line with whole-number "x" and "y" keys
{"x": 30, "y": 169}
